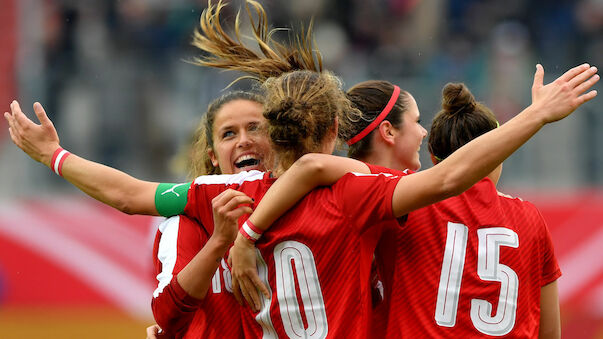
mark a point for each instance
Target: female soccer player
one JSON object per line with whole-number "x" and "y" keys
{"x": 230, "y": 139}
{"x": 418, "y": 253}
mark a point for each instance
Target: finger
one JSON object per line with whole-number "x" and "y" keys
{"x": 12, "y": 129}
{"x": 244, "y": 296}
{"x": 238, "y": 212}
{"x": 255, "y": 296}
{"x": 252, "y": 291}
{"x": 237, "y": 195}
{"x": 236, "y": 290}
{"x": 569, "y": 75}
{"x": 259, "y": 284}
{"x": 13, "y": 137}
{"x": 236, "y": 201}
{"x": 20, "y": 118}
{"x": 538, "y": 77}
{"x": 41, "y": 114}
{"x": 585, "y": 85}
{"x": 587, "y": 97}
{"x": 225, "y": 197}
{"x": 13, "y": 115}
{"x": 9, "y": 119}
{"x": 247, "y": 290}
{"x": 582, "y": 76}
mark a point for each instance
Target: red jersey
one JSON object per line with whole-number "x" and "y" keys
{"x": 314, "y": 258}
{"x": 471, "y": 265}
{"x": 178, "y": 240}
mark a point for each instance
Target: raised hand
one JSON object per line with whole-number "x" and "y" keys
{"x": 38, "y": 141}
{"x": 562, "y": 96}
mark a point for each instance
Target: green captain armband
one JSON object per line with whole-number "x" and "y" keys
{"x": 170, "y": 199}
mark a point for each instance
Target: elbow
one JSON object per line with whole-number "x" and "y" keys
{"x": 126, "y": 202}
{"x": 125, "y": 206}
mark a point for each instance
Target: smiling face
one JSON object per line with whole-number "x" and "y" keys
{"x": 409, "y": 138}
{"x": 240, "y": 141}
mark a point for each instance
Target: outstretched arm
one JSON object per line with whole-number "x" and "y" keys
{"x": 103, "y": 183}
{"x": 478, "y": 158}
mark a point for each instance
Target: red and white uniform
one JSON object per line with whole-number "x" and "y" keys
{"x": 315, "y": 258}
{"x": 472, "y": 265}
{"x": 177, "y": 241}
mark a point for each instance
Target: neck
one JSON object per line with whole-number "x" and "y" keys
{"x": 379, "y": 159}
{"x": 494, "y": 176}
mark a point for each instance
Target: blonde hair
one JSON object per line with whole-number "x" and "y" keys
{"x": 230, "y": 53}
{"x": 301, "y": 101}
{"x": 301, "y": 108}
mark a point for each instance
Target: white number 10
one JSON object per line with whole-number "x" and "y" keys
{"x": 489, "y": 269}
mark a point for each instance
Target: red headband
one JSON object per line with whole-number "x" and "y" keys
{"x": 378, "y": 119}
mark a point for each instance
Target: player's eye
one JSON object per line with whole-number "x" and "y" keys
{"x": 227, "y": 134}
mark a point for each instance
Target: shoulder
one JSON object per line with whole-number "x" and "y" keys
{"x": 516, "y": 201}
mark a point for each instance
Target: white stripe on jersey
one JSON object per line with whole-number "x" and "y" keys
{"x": 372, "y": 174}
{"x": 229, "y": 179}
{"x": 167, "y": 252}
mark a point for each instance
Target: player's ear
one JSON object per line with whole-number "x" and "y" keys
{"x": 387, "y": 132}
{"x": 213, "y": 157}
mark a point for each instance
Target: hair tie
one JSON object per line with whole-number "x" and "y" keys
{"x": 368, "y": 129}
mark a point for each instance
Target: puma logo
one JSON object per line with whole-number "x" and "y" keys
{"x": 172, "y": 190}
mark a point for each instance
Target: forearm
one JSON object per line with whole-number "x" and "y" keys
{"x": 195, "y": 278}
{"x": 110, "y": 186}
{"x": 307, "y": 173}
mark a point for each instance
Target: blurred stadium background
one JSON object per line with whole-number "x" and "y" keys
{"x": 112, "y": 76}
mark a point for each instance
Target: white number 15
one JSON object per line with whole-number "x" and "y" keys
{"x": 489, "y": 269}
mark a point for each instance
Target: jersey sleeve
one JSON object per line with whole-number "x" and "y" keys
{"x": 366, "y": 199}
{"x": 550, "y": 268}
{"x": 178, "y": 240}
